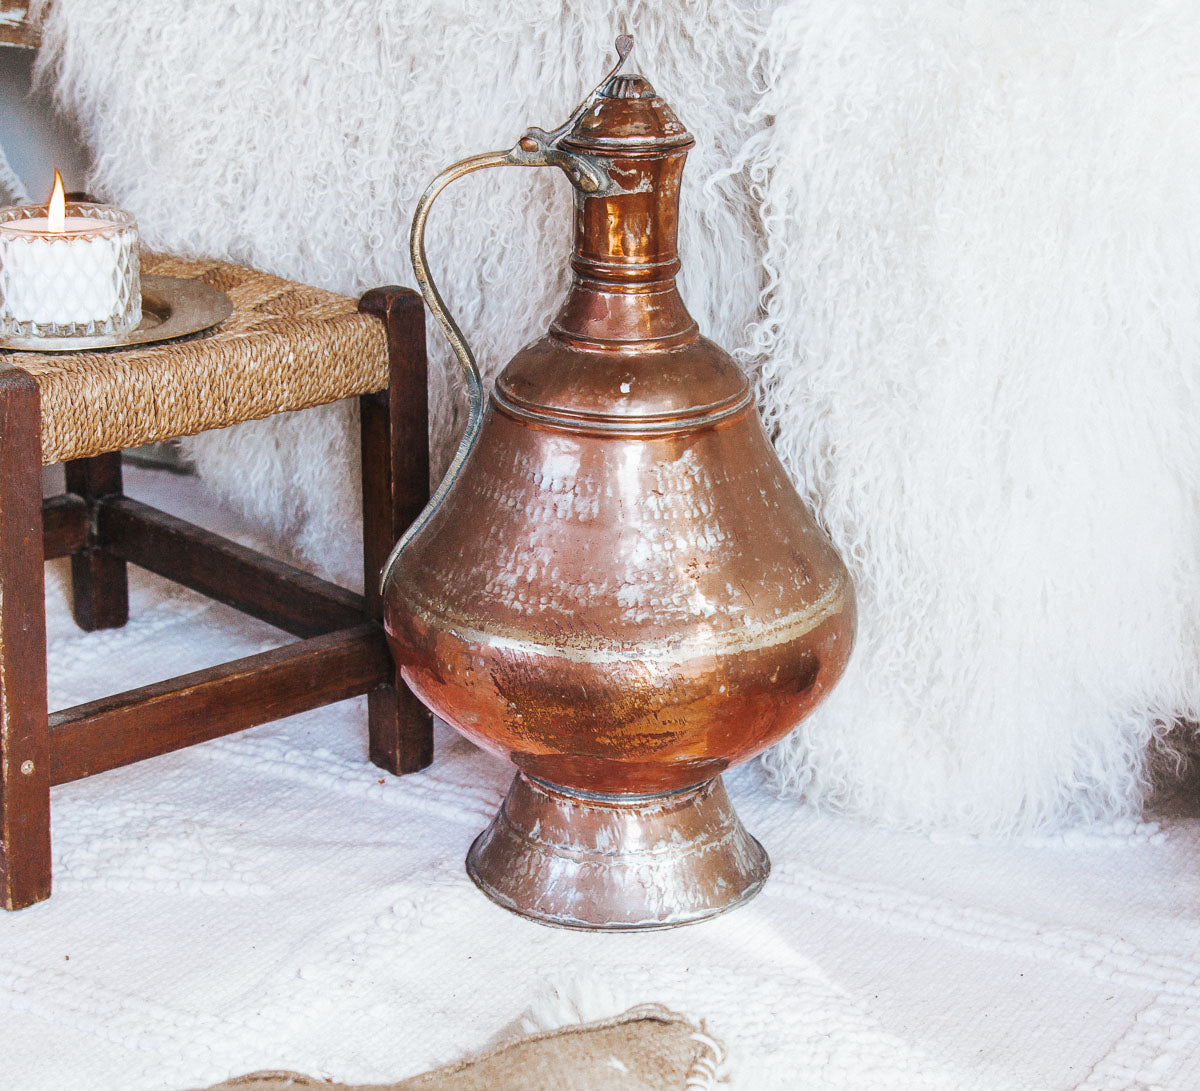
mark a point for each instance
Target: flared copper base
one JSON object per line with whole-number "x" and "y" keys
{"x": 617, "y": 863}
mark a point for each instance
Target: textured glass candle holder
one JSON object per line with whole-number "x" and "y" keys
{"x": 83, "y": 281}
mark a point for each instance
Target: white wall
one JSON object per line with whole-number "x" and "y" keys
{"x": 35, "y": 139}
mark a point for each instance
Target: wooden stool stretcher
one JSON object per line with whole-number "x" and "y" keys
{"x": 296, "y": 347}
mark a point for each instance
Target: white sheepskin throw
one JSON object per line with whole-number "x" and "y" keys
{"x": 956, "y": 243}
{"x": 980, "y": 359}
{"x": 296, "y": 135}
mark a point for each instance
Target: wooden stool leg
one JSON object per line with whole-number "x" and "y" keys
{"x": 395, "y": 482}
{"x": 99, "y": 581}
{"x": 24, "y": 732}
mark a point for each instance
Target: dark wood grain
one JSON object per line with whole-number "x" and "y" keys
{"x": 395, "y": 431}
{"x": 24, "y": 743}
{"x": 207, "y": 704}
{"x": 16, "y": 27}
{"x": 278, "y": 593}
{"x": 344, "y": 652}
{"x": 64, "y": 525}
{"x": 395, "y": 482}
{"x": 99, "y": 581}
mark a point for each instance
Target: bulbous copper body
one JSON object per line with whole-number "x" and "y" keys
{"x": 623, "y": 593}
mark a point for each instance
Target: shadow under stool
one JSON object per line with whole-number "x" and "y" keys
{"x": 286, "y": 346}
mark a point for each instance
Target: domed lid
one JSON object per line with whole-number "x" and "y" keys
{"x": 627, "y": 115}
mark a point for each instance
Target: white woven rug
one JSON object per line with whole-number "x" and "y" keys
{"x": 272, "y": 900}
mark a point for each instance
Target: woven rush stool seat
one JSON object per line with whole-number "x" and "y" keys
{"x": 286, "y": 346}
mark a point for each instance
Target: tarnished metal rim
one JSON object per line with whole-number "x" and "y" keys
{"x": 616, "y": 799}
{"x": 625, "y": 148}
{"x": 791, "y": 627}
{"x": 642, "y": 347}
{"x": 606, "y": 424}
{"x": 548, "y": 921}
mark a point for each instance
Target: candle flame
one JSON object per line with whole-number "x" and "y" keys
{"x": 56, "y": 212}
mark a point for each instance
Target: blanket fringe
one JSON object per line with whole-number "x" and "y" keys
{"x": 708, "y": 1066}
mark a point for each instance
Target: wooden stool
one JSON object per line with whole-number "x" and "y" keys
{"x": 286, "y": 347}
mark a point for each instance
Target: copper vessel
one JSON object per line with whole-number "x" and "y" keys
{"x": 616, "y": 586}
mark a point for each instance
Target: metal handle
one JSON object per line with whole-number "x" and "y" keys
{"x": 536, "y": 148}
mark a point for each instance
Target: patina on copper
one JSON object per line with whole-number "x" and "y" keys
{"x": 618, "y": 589}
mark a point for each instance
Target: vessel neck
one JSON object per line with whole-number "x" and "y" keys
{"x": 625, "y": 258}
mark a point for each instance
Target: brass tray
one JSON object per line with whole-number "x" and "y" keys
{"x": 171, "y": 307}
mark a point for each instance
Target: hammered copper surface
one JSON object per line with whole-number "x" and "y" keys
{"x": 622, "y": 591}
{"x": 616, "y": 863}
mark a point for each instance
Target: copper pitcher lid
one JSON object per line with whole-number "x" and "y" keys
{"x": 627, "y": 115}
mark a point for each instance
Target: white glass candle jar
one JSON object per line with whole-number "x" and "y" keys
{"x": 81, "y": 281}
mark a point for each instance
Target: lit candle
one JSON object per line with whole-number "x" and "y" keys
{"x": 68, "y": 272}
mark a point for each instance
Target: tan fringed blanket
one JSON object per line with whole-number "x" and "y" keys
{"x": 647, "y": 1049}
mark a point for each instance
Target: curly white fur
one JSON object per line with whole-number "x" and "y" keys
{"x": 979, "y": 359}
{"x": 296, "y": 135}
{"x": 955, "y": 241}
